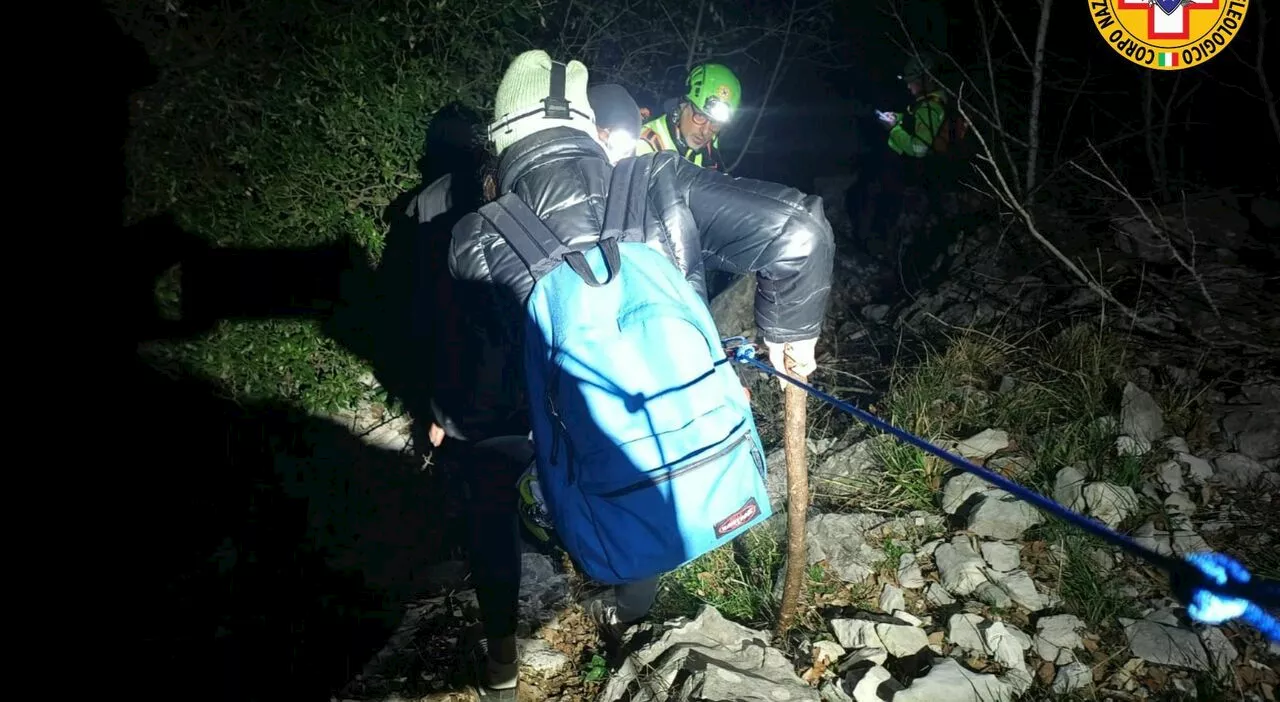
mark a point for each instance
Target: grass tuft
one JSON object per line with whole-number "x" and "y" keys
{"x": 737, "y": 579}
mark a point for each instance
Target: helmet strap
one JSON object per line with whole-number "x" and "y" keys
{"x": 673, "y": 123}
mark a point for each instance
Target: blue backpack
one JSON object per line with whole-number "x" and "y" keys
{"x": 647, "y": 452}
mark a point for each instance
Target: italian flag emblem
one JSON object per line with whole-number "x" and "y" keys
{"x": 1167, "y": 58}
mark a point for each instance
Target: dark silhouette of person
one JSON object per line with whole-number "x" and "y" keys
{"x": 414, "y": 288}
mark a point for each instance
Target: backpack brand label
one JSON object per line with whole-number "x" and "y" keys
{"x": 744, "y": 515}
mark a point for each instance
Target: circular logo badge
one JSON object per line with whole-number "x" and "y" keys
{"x": 1168, "y": 35}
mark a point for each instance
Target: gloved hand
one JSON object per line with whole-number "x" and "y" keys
{"x": 796, "y": 358}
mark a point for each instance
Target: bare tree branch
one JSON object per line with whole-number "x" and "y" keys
{"x": 1012, "y": 33}
{"x": 1037, "y": 79}
{"x": 1066, "y": 118}
{"x": 911, "y": 50}
{"x": 629, "y": 26}
{"x": 1162, "y": 177}
{"x": 1001, "y": 189}
{"x": 994, "y": 100}
{"x": 1112, "y": 182}
{"x": 773, "y": 81}
{"x": 991, "y": 72}
{"x": 1267, "y": 96}
{"x": 1148, "y": 121}
{"x": 764, "y": 34}
{"x": 675, "y": 26}
{"x": 568, "y": 12}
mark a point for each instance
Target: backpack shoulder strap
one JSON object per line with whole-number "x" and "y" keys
{"x": 537, "y": 246}
{"x": 625, "y": 208}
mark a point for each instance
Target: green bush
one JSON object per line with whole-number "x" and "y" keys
{"x": 287, "y": 124}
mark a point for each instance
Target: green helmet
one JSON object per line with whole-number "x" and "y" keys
{"x": 714, "y": 91}
{"x": 917, "y": 67}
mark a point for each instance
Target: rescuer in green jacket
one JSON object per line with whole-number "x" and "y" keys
{"x": 922, "y": 154}
{"x": 692, "y": 126}
{"x": 917, "y": 133}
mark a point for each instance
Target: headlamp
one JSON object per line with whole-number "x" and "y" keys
{"x": 717, "y": 110}
{"x": 622, "y": 144}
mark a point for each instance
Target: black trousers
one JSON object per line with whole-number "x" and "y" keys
{"x": 493, "y": 538}
{"x": 493, "y": 542}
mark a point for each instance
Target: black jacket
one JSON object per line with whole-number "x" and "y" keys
{"x": 700, "y": 218}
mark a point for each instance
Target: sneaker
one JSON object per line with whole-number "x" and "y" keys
{"x": 604, "y": 613}
{"x": 619, "y": 636}
{"x": 494, "y": 680}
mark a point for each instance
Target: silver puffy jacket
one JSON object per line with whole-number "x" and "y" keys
{"x": 702, "y": 220}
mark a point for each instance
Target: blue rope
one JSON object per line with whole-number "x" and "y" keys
{"x": 1216, "y": 588}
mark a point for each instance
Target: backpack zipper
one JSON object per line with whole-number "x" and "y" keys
{"x": 559, "y": 431}
{"x": 555, "y": 429}
{"x": 762, "y": 466}
{"x": 652, "y": 482}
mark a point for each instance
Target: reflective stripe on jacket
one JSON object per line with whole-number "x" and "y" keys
{"x": 656, "y": 136}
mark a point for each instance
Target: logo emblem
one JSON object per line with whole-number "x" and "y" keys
{"x": 739, "y": 518}
{"x": 724, "y": 93}
{"x": 1168, "y": 35}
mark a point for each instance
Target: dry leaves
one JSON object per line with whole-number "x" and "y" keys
{"x": 1046, "y": 672}
{"x": 573, "y": 633}
{"x": 813, "y": 675}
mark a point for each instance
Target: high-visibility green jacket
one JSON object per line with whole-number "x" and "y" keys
{"x": 657, "y": 135}
{"x": 916, "y": 133}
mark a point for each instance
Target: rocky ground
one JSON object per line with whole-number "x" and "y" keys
{"x": 926, "y": 583}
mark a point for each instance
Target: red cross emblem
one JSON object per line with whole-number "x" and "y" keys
{"x": 1173, "y": 25}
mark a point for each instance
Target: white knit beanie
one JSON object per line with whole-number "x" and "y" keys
{"x": 519, "y": 110}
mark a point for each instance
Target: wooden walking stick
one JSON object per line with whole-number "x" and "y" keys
{"x": 793, "y": 437}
